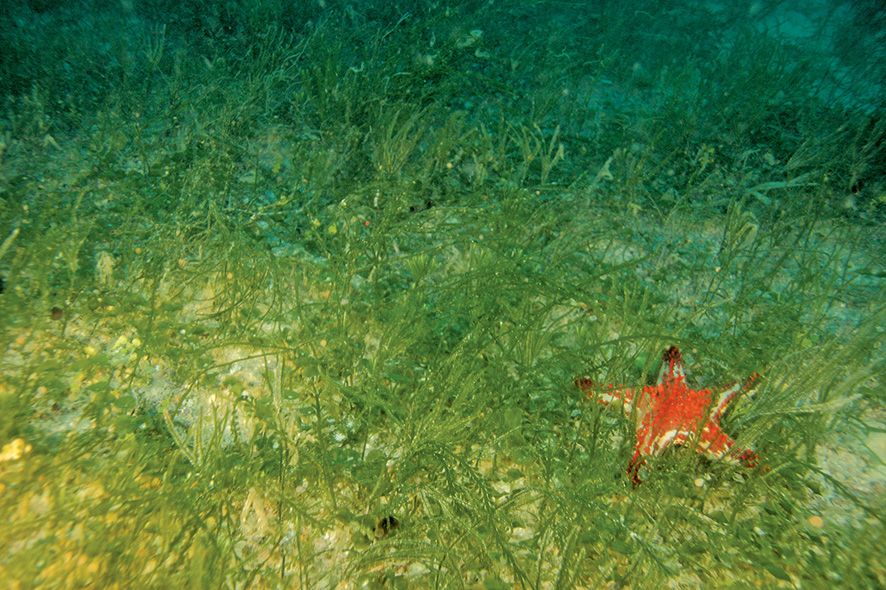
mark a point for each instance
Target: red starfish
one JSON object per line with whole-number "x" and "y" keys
{"x": 670, "y": 413}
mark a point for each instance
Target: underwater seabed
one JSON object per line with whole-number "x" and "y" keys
{"x": 330, "y": 426}
{"x": 297, "y": 295}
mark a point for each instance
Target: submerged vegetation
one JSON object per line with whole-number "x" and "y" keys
{"x": 295, "y": 295}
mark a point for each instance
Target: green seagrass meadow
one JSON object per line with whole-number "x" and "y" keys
{"x": 295, "y": 293}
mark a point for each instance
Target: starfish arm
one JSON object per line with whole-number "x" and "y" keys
{"x": 665, "y": 439}
{"x": 634, "y": 466}
{"x": 610, "y": 395}
{"x": 671, "y": 366}
{"x": 723, "y": 448}
{"x": 645, "y": 439}
{"x": 749, "y": 458}
{"x": 713, "y": 442}
{"x": 727, "y": 396}
{"x": 616, "y": 395}
{"x": 723, "y": 400}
